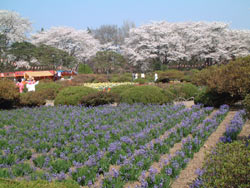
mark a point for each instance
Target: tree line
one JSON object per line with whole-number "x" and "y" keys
{"x": 109, "y": 48}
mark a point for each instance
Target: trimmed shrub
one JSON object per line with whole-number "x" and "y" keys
{"x": 189, "y": 75}
{"x": 145, "y": 95}
{"x": 212, "y": 98}
{"x": 73, "y": 95}
{"x": 100, "y": 98}
{"x": 127, "y": 77}
{"x": 140, "y": 81}
{"x": 168, "y": 75}
{"x": 119, "y": 89}
{"x": 9, "y": 95}
{"x": 33, "y": 98}
{"x": 227, "y": 166}
{"x": 185, "y": 90}
{"x": 49, "y": 89}
{"x": 232, "y": 78}
{"x": 246, "y": 104}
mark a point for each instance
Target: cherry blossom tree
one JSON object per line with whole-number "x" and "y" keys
{"x": 175, "y": 42}
{"x": 13, "y": 27}
{"x": 78, "y": 43}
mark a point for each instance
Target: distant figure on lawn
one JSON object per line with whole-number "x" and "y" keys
{"x": 156, "y": 77}
{"x": 136, "y": 76}
{"x": 142, "y": 75}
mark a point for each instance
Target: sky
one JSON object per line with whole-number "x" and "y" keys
{"x": 81, "y": 14}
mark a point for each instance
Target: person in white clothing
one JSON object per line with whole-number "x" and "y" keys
{"x": 136, "y": 76}
{"x": 31, "y": 85}
{"x": 156, "y": 77}
{"x": 142, "y": 75}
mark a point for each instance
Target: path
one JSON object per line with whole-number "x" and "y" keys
{"x": 158, "y": 165}
{"x": 245, "y": 132}
{"x": 188, "y": 174}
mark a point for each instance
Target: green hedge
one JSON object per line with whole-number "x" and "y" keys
{"x": 212, "y": 98}
{"x": 49, "y": 89}
{"x": 9, "y": 94}
{"x": 228, "y": 165}
{"x": 121, "y": 88}
{"x": 100, "y": 98}
{"x": 246, "y": 103}
{"x": 33, "y": 98}
{"x": 146, "y": 95}
{"x": 184, "y": 90}
{"x": 73, "y": 95}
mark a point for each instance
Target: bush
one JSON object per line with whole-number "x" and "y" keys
{"x": 100, "y": 98}
{"x": 228, "y": 166}
{"x": 84, "y": 69}
{"x": 232, "y": 78}
{"x": 246, "y": 104}
{"x": 140, "y": 80}
{"x": 121, "y": 88}
{"x": 73, "y": 95}
{"x": 168, "y": 75}
{"x": 9, "y": 95}
{"x": 189, "y": 75}
{"x": 185, "y": 90}
{"x": 127, "y": 77}
{"x": 33, "y": 98}
{"x": 145, "y": 95}
{"x": 212, "y": 98}
{"x": 49, "y": 89}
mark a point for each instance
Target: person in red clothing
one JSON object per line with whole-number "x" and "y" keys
{"x": 20, "y": 86}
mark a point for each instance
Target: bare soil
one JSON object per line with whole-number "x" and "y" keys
{"x": 188, "y": 174}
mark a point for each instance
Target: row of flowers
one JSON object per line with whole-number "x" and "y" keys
{"x": 106, "y": 85}
{"x": 173, "y": 166}
{"x": 232, "y": 131}
{"x": 58, "y": 140}
{"x": 132, "y": 168}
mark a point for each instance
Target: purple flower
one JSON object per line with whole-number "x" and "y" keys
{"x": 168, "y": 171}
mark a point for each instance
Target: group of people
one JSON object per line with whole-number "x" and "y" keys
{"x": 135, "y": 76}
{"x": 30, "y": 84}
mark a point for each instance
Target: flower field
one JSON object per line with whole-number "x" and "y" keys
{"x": 106, "y": 85}
{"x": 103, "y": 146}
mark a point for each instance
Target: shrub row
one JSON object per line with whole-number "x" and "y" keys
{"x": 74, "y": 95}
{"x": 227, "y": 165}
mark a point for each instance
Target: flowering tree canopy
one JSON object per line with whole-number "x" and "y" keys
{"x": 173, "y": 42}
{"x": 76, "y": 42}
{"x": 13, "y": 28}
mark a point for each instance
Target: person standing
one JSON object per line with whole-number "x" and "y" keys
{"x": 31, "y": 85}
{"x": 20, "y": 86}
{"x": 133, "y": 76}
{"x": 136, "y": 76}
{"x": 142, "y": 75}
{"x": 156, "y": 77}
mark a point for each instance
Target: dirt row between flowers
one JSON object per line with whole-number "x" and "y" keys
{"x": 159, "y": 165}
{"x": 176, "y": 147}
{"x": 245, "y": 132}
{"x": 188, "y": 174}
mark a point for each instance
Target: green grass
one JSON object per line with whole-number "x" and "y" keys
{"x": 6, "y": 183}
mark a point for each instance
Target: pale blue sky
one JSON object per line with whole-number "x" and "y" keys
{"x": 81, "y": 14}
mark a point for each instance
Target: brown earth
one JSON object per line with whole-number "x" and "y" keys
{"x": 188, "y": 174}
